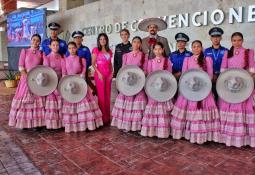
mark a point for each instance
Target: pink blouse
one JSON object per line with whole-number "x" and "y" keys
{"x": 29, "y": 59}
{"x": 238, "y": 61}
{"x": 71, "y": 65}
{"x": 191, "y": 63}
{"x": 131, "y": 59}
{"x": 158, "y": 64}
{"x": 53, "y": 60}
{"x": 103, "y": 60}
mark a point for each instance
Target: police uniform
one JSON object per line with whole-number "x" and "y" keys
{"x": 46, "y": 43}
{"x": 216, "y": 55}
{"x": 83, "y": 51}
{"x": 177, "y": 57}
{"x": 120, "y": 50}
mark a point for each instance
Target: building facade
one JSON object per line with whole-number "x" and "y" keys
{"x": 194, "y": 18}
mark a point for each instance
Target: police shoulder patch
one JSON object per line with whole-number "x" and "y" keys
{"x": 187, "y": 54}
{"x": 222, "y": 51}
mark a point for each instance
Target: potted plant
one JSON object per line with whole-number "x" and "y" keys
{"x": 10, "y": 81}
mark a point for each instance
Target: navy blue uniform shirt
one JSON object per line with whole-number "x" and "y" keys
{"x": 62, "y": 47}
{"x": 217, "y": 56}
{"x": 177, "y": 59}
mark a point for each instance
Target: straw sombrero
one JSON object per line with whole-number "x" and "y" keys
{"x": 42, "y": 80}
{"x": 130, "y": 80}
{"x": 72, "y": 88}
{"x": 235, "y": 85}
{"x": 161, "y": 85}
{"x": 143, "y": 25}
{"x": 195, "y": 85}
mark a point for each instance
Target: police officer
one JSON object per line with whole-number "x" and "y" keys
{"x": 83, "y": 51}
{"x": 180, "y": 54}
{"x": 216, "y": 52}
{"x": 54, "y": 27}
{"x": 121, "y": 49}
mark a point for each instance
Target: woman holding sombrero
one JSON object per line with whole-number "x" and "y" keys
{"x": 195, "y": 115}
{"x": 237, "y": 114}
{"x": 80, "y": 108}
{"x": 27, "y": 110}
{"x": 129, "y": 108}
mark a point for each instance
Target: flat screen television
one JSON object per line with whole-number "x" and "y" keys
{"x": 22, "y": 25}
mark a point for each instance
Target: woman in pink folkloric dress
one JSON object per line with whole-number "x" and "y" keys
{"x": 128, "y": 110}
{"x": 53, "y": 102}
{"x": 238, "y": 120}
{"x": 86, "y": 113}
{"x": 157, "y": 115}
{"x": 27, "y": 110}
{"x": 198, "y": 122}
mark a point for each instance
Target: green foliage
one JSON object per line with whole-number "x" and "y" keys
{"x": 10, "y": 75}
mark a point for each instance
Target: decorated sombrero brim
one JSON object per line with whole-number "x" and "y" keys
{"x": 161, "y": 85}
{"x": 143, "y": 25}
{"x": 130, "y": 80}
{"x": 72, "y": 88}
{"x": 195, "y": 85}
{"x": 235, "y": 85}
{"x": 42, "y": 80}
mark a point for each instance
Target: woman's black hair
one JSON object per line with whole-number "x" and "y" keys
{"x": 107, "y": 48}
{"x": 72, "y": 43}
{"x": 36, "y": 35}
{"x": 162, "y": 46}
{"x": 231, "y": 51}
{"x": 137, "y": 37}
{"x": 53, "y": 41}
{"x": 75, "y": 45}
{"x": 200, "y": 59}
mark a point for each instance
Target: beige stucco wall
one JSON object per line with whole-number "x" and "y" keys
{"x": 3, "y": 48}
{"x": 114, "y": 11}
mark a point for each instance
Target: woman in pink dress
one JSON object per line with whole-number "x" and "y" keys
{"x": 156, "y": 118}
{"x": 238, "y": 120}
{"x": 86, "y": 113}
{"x": 27, "y": 110}
{"x": 196, "y": 121}
{"x": 53, "y": 103}
{"x": 128, "y": 110}
{"x": 101, "y": 62}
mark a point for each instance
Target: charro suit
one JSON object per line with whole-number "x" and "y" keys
{"x": 146, "y": 46}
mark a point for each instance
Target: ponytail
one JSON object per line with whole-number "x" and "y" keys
{"x": 201, "y": 58}
{"x": 246, "y": 58}
{"x": 165, "y": 67}
{"x": 231, "y": 52}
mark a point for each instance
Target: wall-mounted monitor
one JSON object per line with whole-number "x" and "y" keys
{"x": 22, "y": 25}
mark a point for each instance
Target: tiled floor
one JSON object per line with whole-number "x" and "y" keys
{"x": 13, "y": 160}
{"x": 110, "y": 151}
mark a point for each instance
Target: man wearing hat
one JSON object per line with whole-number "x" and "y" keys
{"x": 178, "y": 56}
{"x": 83, "y": 51}
{"x": 54, "y": 27}
{"x": 216, "y": 52}
{"x": 153, "y": 25}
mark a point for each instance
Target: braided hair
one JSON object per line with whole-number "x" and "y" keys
{"x": 201, "y": 58}
{"x": 165, "y": 66}
{"x": 231, "y": 51}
